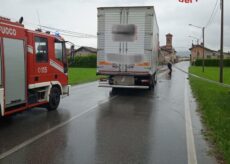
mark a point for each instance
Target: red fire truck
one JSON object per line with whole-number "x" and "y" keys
{"x": 33, "y": 68}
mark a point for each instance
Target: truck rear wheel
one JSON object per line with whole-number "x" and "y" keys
{"x": 152, "y": 82}
{"x": 151, "y": 86}
{"x": 54, "y": 98}
{"x": 155, "y": 78}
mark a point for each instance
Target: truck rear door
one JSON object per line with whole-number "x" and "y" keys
{"x": 109, "y": 50}
{"x": 125, "y": 38}
{"x": 139, "y": 50}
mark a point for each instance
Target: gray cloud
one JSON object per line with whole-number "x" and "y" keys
{"x": 81, "y": 16}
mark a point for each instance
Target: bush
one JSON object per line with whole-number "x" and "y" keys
{"x": 211, "y": 62}
{"x": 89, "y": 61}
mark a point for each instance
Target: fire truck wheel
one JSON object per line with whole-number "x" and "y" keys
{"x": 54, "y": 99}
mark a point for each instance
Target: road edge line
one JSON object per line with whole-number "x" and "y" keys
{"x": 191, "y": 150}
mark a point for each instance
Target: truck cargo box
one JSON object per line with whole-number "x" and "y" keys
{"x": 128, "y": 41}
{"x": 128, "y": 44}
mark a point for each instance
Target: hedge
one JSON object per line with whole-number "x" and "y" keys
{"x": 211, "y": 62}
{"x": 89, "y": 61}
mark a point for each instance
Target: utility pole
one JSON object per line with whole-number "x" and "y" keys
{"x": 203, "y": 30}
{"x": 203, "y": 50}
{"x": 222, "y": 41}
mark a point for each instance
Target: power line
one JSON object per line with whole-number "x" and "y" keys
{"x": 71, "y": 43}
{"x": 70, "y": 33}
{"x": 214, "y": 11}
{"x": 67, "y": 33}
{"x": 76, "y": 36}
{"x": 62, "y": 31}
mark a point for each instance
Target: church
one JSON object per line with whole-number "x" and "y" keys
{"x": 167, "y": 52}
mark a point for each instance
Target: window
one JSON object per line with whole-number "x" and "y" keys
{"x": 58, "y": 51}
{"x": 41, "y": 49}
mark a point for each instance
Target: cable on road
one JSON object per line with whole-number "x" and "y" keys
{"x": 202, "y": 78}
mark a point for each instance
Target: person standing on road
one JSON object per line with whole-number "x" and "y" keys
{"x": 170, "y": 68}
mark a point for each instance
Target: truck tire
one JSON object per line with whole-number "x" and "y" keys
{"x": 114, "y": 91}
{"x": 155, "y": 78}
{"x": 54, "y": 98}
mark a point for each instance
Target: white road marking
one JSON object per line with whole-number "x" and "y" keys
{"x": 191, "y": 150}
{"x": 35, "y": 138}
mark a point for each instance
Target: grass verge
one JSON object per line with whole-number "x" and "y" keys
{"x": 82, "y": 75}
{"x": 214, "y": 104}
{"x": 211, "y": 73}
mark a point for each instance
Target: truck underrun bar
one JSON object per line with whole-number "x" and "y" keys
{"x": 105, "y": 84}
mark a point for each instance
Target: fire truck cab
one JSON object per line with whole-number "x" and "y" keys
{"x": 33, "y": 68}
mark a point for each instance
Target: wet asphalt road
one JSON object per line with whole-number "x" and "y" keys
{"x": 94, "y": 126}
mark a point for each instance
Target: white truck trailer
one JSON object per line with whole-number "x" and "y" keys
{"x": 128, "y": 45}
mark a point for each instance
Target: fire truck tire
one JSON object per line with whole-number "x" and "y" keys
{"x": 54, "y": 98}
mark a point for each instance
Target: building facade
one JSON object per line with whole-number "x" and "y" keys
{"x": 197, "y": 53}
{"x": 84, "y": 51}
{"x": 167, "y": 52}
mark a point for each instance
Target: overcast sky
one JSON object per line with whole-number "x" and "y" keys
{"x": 81, "y": 16}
